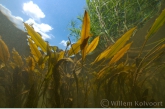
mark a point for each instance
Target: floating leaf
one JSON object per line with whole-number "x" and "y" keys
{"x": 93, "y": 45}
{"x": 85, "y": 33}
{"x": 36, "y": 38}
{"x": 157, "y": 24}
{"x": 120, "y": 54}
{"x": 75, "y": 48}
{"x": 4, "y": 52}
{"x": 17, "y": 58}
{"x": 34, "y": 50}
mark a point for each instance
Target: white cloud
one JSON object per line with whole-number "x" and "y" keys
{"x": 64, "y": 43}
{"x": 18, "y": 21}
{"x": 30, "y": 21}
{"x": 42, "y": 28}
{"x": 33, "y": 10}
{"x": 35, "y": 13}
{"x": 4, "y": 10}
{"x": 45, "y": 27}
{"x": 44, "y": 35}
{"x": 19, "y": 18}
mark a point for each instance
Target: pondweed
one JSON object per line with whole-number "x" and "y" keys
{"x": 49, "y": 78}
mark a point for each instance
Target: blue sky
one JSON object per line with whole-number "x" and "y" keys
{"x": 49, "y": 17}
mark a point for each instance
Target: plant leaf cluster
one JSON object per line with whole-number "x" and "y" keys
{"x": 49, "y": 78}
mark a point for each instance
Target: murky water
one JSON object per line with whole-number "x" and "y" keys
{"x": 128, "y": 72}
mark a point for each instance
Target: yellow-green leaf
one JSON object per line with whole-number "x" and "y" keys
{"x": 120, "y": 54}
{"x": 36, "y": 38}
{"x": 85, "y": 33}
{"x": 112, "y": 50}
{"x": 42, "y": 60}
{"x": 2, "y": 65}
{"x": 12, "y": 65}
{"x": 102, "y": 72}
{"x": 49, "y": 73}
{"x": 17, "y": 58}
{"x": 75, "y": 48}
{"x": 157, "y": 24}
{"x": 120, "y": 43}
{"x": 93, "y": 45}
{"x": 61, "y": 55}
{"x": 51, "y": 69}
{"x": 4, "y": 52}
{"x": 53, "y": 58}
{"x": 30, "y": 62}
{"x": 34, "y": 50}
{"x": 54, "y": 48}
{"x": 102, "y": 55}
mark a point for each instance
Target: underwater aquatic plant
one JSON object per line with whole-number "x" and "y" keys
{"x": 4, "y": 55}
{"x": 62, "y": 79}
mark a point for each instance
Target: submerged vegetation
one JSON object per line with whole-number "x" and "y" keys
{"x": 69, "y": 78}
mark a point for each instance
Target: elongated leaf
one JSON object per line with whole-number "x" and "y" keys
{"x": 102, "y": 72}
{"x": 32, "y": 97}
{"x": 2, "y": 65}
{"x": 34, "y": 50}
{"x": 41, "y": 61}
{"x": 61, "y": 55}
{"x": 49, "y": 73}
{"x": 36, "y": 38}
{"x": 157, "y": 24}
{"x": 112, "y": 50}
{"x": 54, "y": 48}
{"x": 120, "y": 54}
{"x": 102, "y": 55}
{"x": 162, "y": 46}
{"x": 53, "y": 58}
{"x": 157, "y": 53}
{"x": 120, "y": 43}
{"x": 85, "y": 33}
{"x": 57, "y": 64}
{"x": 75, "y": 48}
{"x": 17, "y": 58}
{"x": 30, "y": 62}
{"x": 93, "y": 45}
{"x": 4, "y": 52}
